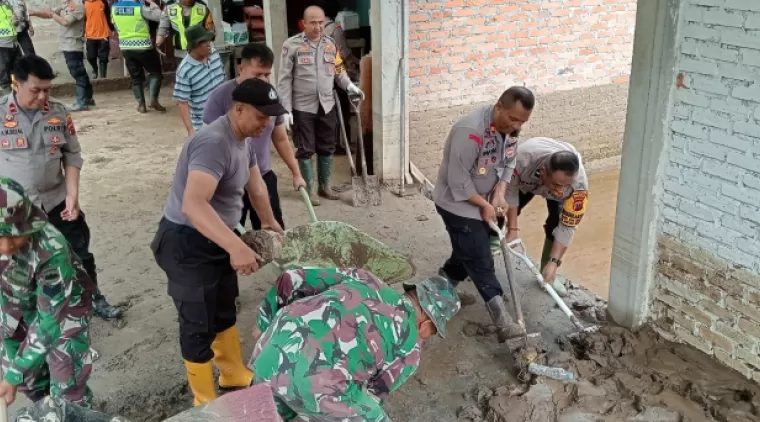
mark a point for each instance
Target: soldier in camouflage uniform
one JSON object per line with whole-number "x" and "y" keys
{"x": 45, "y": 305}
{"x": 335, "y": 342}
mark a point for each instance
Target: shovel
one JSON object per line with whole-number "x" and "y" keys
{"x": 527, "y": 348}
{"x": 344, "y": 188}
{"x": 366, "y": 188}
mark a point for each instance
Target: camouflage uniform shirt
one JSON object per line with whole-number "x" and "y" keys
{"x": 335, "y": 343}
{"x": 44, "y": 293}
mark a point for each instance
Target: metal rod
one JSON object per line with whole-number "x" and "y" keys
{"x": 403, "y": 80}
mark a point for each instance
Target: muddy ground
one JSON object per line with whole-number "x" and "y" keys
{"x": 129, "y": 162}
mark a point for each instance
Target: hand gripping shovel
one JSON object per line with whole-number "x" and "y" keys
{"x": 366, "y": 188}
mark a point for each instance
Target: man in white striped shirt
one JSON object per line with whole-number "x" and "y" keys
{"x": 200, "y": 71}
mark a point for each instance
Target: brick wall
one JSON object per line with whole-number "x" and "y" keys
{"x": 707, "y": 291}
{"x": 464, "y": 53}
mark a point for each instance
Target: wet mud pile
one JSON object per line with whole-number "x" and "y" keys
{"x": 624, "y": 376}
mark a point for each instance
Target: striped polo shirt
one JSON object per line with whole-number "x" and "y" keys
{"x": 194, "y": 82}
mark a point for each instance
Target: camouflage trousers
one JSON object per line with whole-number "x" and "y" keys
{"x": 296, "y": 402}
{"x": 66, "y": 369}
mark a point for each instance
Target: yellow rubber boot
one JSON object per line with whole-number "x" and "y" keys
{"x": 228, "y": 358}
{"x": 201, "y": 379}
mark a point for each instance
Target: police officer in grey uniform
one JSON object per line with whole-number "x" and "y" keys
{"x": 70, "y": 16}
{"x": 553, "y": 170}
{"x": 309, "y": 67}
{"x": 39, "y": 149}
{"x": 478, "y": 162}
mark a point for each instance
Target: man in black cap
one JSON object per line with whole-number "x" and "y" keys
{"x": 196, "y": 244}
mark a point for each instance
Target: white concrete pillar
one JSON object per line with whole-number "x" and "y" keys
{"x": 388, "y": 74}
{"x": 215, "y": 6}
{"x": 649, "y": 97}
{"x": 276, "y": 23}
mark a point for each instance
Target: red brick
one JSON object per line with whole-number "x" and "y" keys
{"x": 475, "y": 21}
{"x": 518, "y": 52}
{"x": 461, "y": 49}
{"x": 474, "y": 74}
{"x": 551, "y": 5}
{"x": 487, "y": 11}
{"x": 485, "y": 29}
{"x": 518, "y": 35}
{"x": 538, "y": 50}
{"x": 453, "y": 41}
{"x": 466, "y": 30}
{"x": 465, "y": 12}
{"x": 418, "y": 17}
{"x": 428, "y": 26}
{"x": 531, "y": 7}
{"x": 429, "y": 62}
{"x": 417, "y": 54}
{"x": 508, "y": 27}
{"x": 453, "y": 60}
{"x": 438, "y": 34}
{"x": 461, "y": 66}
{"x": 429, "y": 44}
{"x": 442, "y": 14}
{"x": 586, "y": 36}
{"x": 454, "y": 3}
{"x": 510, "y": 8}
{"x": 497, "y": 54}
{"x": 598, "y": 26}
{"x": 528, "y": 25}
{"x": 416, "y": 72}
{"x": 476, "y": 2}
{"x": 527, "y": 42}
{"x": 475, "y": 40}
{"x": 508, "y": 44}
{"x": 539, "y": 33}
{"x": 437, "y": 70}
{"x": 561, "y": 12}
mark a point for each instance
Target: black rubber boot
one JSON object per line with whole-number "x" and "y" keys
{"x": 324, "y": 171}
{"x": 507, "y": 329}
{"x": 104, "y": 309}
{"x": 154, "y": 89}
{"x": 307, "y": 172}
{"x": 103, "y": 70}
{"x": 137, "y": 90}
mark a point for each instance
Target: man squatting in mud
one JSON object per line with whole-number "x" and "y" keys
{"x": 39, "y": 148}
{"x": 336, "y": 342}
{"x": 45, "y": 306}
{"x": 196, "y": 245}
{"x": 478, "y": 162}
{"x": 551, "y": 169}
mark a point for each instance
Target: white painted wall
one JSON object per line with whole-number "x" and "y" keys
{"x": 712, "y": 176}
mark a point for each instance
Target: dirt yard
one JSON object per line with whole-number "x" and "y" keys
{"x": 129, "y": 163}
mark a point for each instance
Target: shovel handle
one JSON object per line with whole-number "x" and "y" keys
{"x": 309, "y": 207}
{"x": 510, "y": 276}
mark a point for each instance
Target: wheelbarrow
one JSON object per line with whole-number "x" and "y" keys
{"x": 338, "y": 245}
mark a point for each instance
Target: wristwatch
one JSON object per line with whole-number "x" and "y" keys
{"x": 556, "y": 261}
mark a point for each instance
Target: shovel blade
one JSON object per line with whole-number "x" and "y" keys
{"x": 366, "y": 191}
{"x": 361, "y": 196}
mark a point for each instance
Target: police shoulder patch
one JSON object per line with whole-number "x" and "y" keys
{"x": 574, "y": 208}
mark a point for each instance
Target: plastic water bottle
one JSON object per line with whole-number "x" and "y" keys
{"x": 558, "y": 374}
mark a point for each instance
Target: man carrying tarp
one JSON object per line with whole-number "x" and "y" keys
{"x": 333, "y": 343}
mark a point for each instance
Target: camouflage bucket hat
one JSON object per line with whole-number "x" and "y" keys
{"x": 18, "y": 216}
{"x": 438, "y": 298}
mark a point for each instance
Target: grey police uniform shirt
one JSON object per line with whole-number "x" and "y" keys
{"x": 71, "y": 37}
{"x": 475, "y": 158}
{"x": 35, "y": 152}
{"x": 308, "y": 72}
{"x": 214, "y": 150}
{"x": 532, "y": 156}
